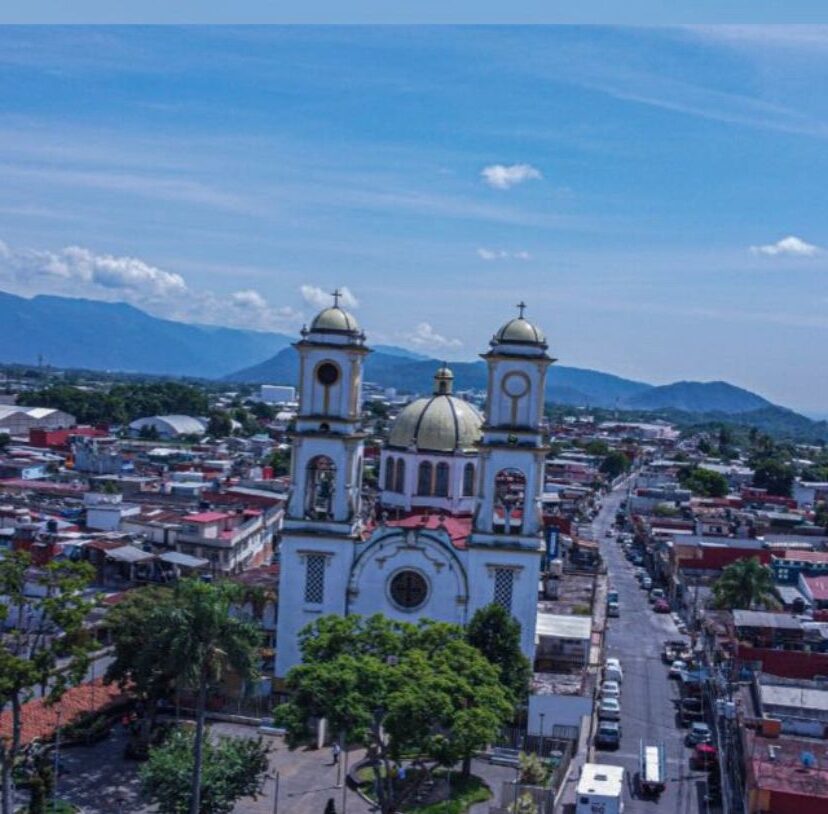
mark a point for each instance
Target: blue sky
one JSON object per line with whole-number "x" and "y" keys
{"x": 657, "y": 195}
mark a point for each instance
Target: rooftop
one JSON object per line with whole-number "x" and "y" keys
{"x": 777, "y": 621}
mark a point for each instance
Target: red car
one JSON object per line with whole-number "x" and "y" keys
{"x": 661, "y": 606}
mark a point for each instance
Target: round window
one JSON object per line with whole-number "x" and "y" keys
{"x": 515, "y": 384}
{"x": 327, "y": 373}
{"x": 409, "y": 589}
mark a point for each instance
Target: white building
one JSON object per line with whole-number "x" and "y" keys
{"x": 277, "y": 394}
{"x": 447, "y": 553}
{"x": 18, "y": 420}
{"x": 169, "y": 426}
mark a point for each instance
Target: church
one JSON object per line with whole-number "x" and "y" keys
{"x": 459, "y": 521}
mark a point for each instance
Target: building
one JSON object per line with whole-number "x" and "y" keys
{"x": 18, "y": 420}
{"x": 168, "y": 426}
{"x": 434, "y": 561}
{"x": 277, "y": 394}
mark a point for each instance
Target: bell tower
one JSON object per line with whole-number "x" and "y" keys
{"x": 323, "y": 515}
{"x": 506, "y": 542}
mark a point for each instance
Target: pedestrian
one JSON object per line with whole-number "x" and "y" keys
{"x": 335, "y": 750}
{"x": 330, "y": 808}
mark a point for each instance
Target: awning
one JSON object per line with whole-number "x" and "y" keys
{"x": 184, "y": 560}
{"x": 129, "y": 553}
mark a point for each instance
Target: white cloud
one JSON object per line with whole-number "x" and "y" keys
{"x": 248, "y": 299}
{"x": 501, "y": 176}
{"x": 319, "y": 298}
{"x": 790, "y": 246}
{"x": 75, "y": 263}
{"x": 424, "y": 336}
{"x": 502, "y": 254}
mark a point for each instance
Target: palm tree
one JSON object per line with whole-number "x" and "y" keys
{"x": 745, "y": 584}
{"x": 207, "y": 639}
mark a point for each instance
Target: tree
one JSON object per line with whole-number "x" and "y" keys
{"x": 496, "y": 634}
{"x": 219, "y": 424}
{"x": 39, "y": 628}
{"x": 395, "y": 688}
{"x": 206, "y": 640}
{"x": 142, "y": 659}
{"x": 703, "y": 482}
{"x": 614, "y": 464}
{"x": 263, "y": 411}
{"x": 745, "y": 584}
{"x": 5, "y": 440}
{"x": 524, "y": 805}
{"x": 280, "y": 462}
{"x": 232, "y": 768}
{"x": 533, "y": 771}
{"x": 596, "y": 447}
{"x": 774, "y": 475}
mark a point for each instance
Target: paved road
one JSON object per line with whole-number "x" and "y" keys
{"x": 647, "y": 704}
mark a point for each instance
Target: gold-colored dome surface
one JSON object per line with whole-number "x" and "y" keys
{"x": 334, "y": 320}
{"x": 440, "y": 423}
{"x": 521, "y": 331}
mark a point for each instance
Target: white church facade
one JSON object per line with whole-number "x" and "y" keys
{"x": 460, "y": 521}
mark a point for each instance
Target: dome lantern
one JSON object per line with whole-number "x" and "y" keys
{"x": 443, "y": 381}
{"x": 334, "y": 320}
{"x": 519, "y": 331}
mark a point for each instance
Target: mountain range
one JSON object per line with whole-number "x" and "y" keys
{"x": 91, "y": 334}
{"x": 565, "y": 385}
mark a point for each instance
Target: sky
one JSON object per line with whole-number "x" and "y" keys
{"x": 655, "y": 195}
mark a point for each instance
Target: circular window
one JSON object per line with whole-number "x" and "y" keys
{"x": 515, "y": 384}
{"x": 409, "y": 589}
{"x": 327, "y": 374}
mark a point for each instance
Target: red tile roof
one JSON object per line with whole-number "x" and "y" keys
{"x": 818, "y": 586}
{"x": 40, "y": 720}
{"x": 206, "y": 517}
{"x": 458, "y": 527}
{"x": 806, "y": 556}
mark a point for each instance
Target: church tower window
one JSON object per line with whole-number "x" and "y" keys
{"x": 315, "y": 579}
{"x": 424, "y": 478}
{"x": 408, "y": 589}
{"x": 441, "y": 480}
{"x": 503, "y": 584}
{"x": 399, "y": 482}
{"x": 389, "y": 474}
{"x": 319, "y": 488}
{"x": 510, "y": 489}
{"x": 468, "y": 480}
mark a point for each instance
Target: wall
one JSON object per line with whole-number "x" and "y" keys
{"x": 787, "y": 663}
{"x": 560, "y": 710}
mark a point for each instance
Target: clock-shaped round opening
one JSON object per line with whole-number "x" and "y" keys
{"x": 327, "y": 374}
{"x": 408, "y": 589}
{"x": 515, "y": 385}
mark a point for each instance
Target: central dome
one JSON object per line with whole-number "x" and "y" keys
{"x": 441, "y": 423}
{"x": 519, "y": 330}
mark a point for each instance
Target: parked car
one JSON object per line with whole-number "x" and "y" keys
{"x": 661, "y": 606}
{"x": 675, "y": 649}
{"x": 609, "y": 709}
{"x": 646, "y": 583}
{"x": 613, "y": 609}
{"x": 613, "y": 671}
{"x": 610, "y": 689}
{"x": 676, "y": 667}
{"x": 690, "y": 709}
{"x": 638, "y": 559}
{"x": 699, "y": 733}
{"x": 608, "y": 735}
{"x": 610, "y": 533}
{"x": 656, "y": 594}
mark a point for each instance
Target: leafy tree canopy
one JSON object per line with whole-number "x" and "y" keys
{"x": 232, "y": 768}
{"x": 775, "y": 475}
{"x": 703, "y": 482}
{"x": 745, "y": 584}
{"x": 614, "y": 464}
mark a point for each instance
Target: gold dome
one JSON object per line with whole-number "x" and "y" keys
{"x": 520, "y": 331}
{"x": 441, "y": 423}
{"x": 334, "y": 320}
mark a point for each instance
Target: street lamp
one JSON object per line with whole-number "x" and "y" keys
{"x": 541, "y": 733}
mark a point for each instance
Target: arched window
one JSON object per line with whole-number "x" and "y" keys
{"x": 320, "y": 488}
{"x": 468, "y": 480}
{"x": 424, "y": 478}
{"x": 510, "y": 492}
{"x": 389, "y": 474}
{"x": 441, "y": 480}
{"x": 399, "y": 481}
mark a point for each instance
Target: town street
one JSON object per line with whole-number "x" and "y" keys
{"x": 648, "y": 710}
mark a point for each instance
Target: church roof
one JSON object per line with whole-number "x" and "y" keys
{"x": 520, "y": 331}
{"x": 441, "y": 423}
{"x": 458, "y": 527}
{"x": 334, "y": 320}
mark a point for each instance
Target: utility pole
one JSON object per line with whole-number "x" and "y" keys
{"x": 57, "y": 761}
{"x": 276, "y": 793}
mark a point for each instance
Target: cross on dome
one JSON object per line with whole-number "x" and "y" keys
{"x": 521, "y": 306}
{"x": 336, "y": 294}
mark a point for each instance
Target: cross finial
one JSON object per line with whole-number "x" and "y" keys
{"x": 336, "y": 294}
{"x": 521, "y": 306}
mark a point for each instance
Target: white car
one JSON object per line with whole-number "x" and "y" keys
{"x": 610, "y": 689}
{"x": 613, "y": 671}
{"x": 609, "y": 710}
{"x": 676, "y": 668}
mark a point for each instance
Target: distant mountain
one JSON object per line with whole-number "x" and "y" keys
{"x": 697, "y": 397}
{"x": 393, "y": 350}
{"x": 565, "y": 385}
{"x": 114, "y": 336}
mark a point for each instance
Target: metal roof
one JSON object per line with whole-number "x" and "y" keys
{"x": 184, "y": 560}
{"x": 778, "y": 621}
{"x": 562, "y": 626}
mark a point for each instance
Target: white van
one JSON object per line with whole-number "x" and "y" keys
{"x": 601, "y": 788}
{"x": 613, "y": 671}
